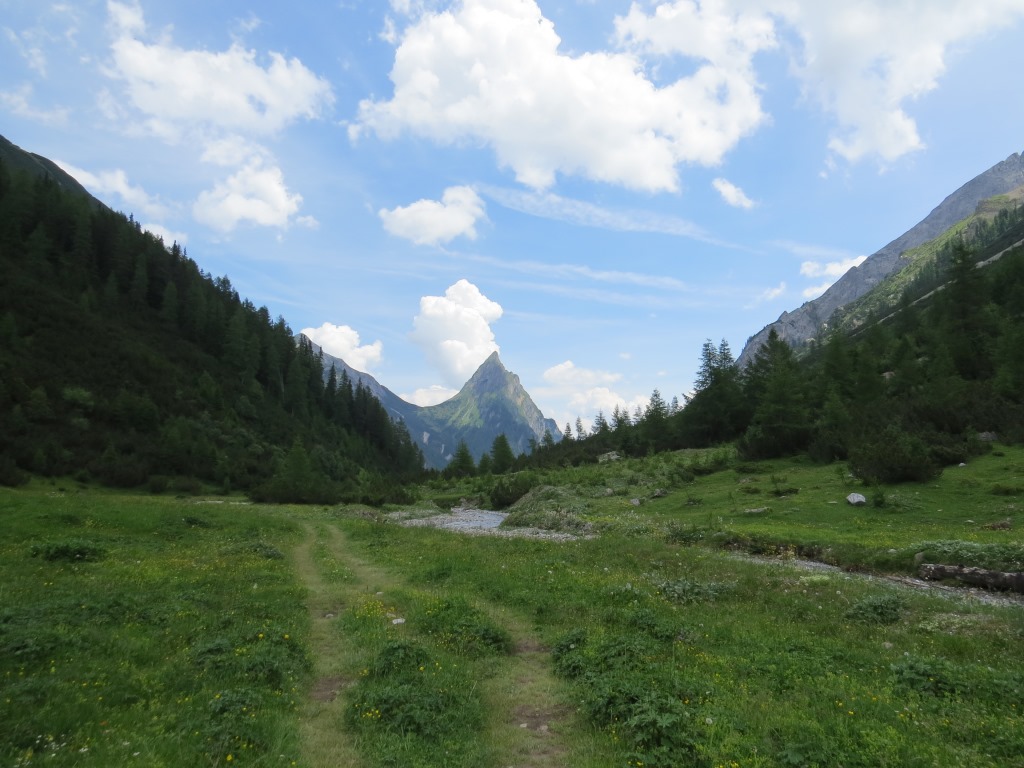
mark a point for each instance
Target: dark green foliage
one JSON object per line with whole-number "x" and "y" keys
{"x": 928, "y": 676}
{"x": 509, "y": 489}
{"x": 502, "y": 457}
{"x": 121, "y": 358}
{"x": 456, "y": 625}
{"x": 462, "y": 464}
{"x": 900, "y": 398}
{"x": 70, "y": 550}
{"x": 893, "y": 456}
{"x": 10, "y": 474}
{"x": 407, "y": 693}
{"x": 297, "y": 482}
{"x": 877, "y": 609}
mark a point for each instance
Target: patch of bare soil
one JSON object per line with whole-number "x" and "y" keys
{"x": 327, "y": 689}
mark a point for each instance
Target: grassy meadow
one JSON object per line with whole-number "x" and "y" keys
{"x": 682, "y": 630}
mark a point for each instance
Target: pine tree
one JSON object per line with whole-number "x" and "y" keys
{"x": 462, "y": 464}
{"x": 502, "y": 457}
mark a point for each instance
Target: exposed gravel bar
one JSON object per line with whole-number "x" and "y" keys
{"x": 481, "y": 522}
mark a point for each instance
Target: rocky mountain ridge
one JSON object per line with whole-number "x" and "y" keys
{"x": 802, "y": 325}
{"x": 491, "y": 403}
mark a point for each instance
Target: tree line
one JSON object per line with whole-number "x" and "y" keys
{"x": 122, "y": 361}
{"x": 908, "y": 393}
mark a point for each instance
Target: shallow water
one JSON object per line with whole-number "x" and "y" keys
{"x": 473, "y": 518}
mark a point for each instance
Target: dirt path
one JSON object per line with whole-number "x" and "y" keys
{"x": 527, "y": 719}
{"x": 323, "y": 738}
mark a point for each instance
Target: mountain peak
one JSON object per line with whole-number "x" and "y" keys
{"x": 493, "y": 361}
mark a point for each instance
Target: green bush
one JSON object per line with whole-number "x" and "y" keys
{"x": 929, "y": 676}
{"x": 893, "y": 456}
{"x": 877, "y": 609}
{"x": 508, "y": 489}
{"x": 70, "y": 550}
{"x": 688, "y": 591}
{"x": 458, "y": 626}
{"x": 10, "y": 474}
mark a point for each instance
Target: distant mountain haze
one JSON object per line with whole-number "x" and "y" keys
{"x": 804, "y": 324}
{"x": 493, "y": 402}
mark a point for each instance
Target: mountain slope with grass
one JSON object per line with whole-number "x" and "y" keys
{"x": 804, "y": 324}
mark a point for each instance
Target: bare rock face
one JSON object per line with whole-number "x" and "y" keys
{"x": 803, "y": 324}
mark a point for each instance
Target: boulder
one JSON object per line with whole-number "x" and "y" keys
{"x": 856, "y": 500}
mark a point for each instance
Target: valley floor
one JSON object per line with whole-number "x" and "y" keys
{"x": 158, "y": 631}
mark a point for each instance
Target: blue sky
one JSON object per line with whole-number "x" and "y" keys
{"x": 591, "y": 187}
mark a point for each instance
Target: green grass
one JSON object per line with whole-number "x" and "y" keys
{"x": 188, "y": 632}
{"x": 153, "y": 631}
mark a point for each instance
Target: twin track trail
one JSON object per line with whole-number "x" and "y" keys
{"x": 525, "y": 714}
{"x": 323, "y": 738}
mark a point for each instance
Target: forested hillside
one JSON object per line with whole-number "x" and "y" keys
{"x": 122, "y": 361}
{"x": 907, "y": 393}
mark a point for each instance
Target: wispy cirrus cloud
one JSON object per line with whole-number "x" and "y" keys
{"x": 548, "y": 205}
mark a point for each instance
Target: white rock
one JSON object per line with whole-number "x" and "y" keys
{"x": 856, "y": 499}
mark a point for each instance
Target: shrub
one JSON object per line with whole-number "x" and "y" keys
{"x": 930, "y": 676}
{"x": 1006, "y": 490}
{"x": 893, "y": 456}
{"x": 508, "y": 489}
{"x": 10, "y": 474}
{"x": 688, "y": 591}
{"x": 458, "y": 626}
{"x": 877, "y": 609}
{"x": 71, "y": 550}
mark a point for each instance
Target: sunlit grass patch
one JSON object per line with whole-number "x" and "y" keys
{"x": 145, "y": 637}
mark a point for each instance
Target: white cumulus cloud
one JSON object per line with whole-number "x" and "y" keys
{"x": 732, "y": 194}
{"x": 678, "y": 84}
{"x": 178, "y": 90}
{"x": 491, "y": 71}
{"x": 216, "y": 102}
{"x": 430, "y": 395}
{"x": 106, "y": 183}
{"x": 430, "y": 222}
{"x": 343, "y": 341}
{"x": 833, "y": 269}
{"x": 861, "y": 61}
{"x": 572, "y": 391}
{"x": 816, "y": 290}
{"x": 168, "y": 236}
{"x": 864, "y": 61}
{"x": 454, "y": 330}
{"x": 256, "y": 193}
